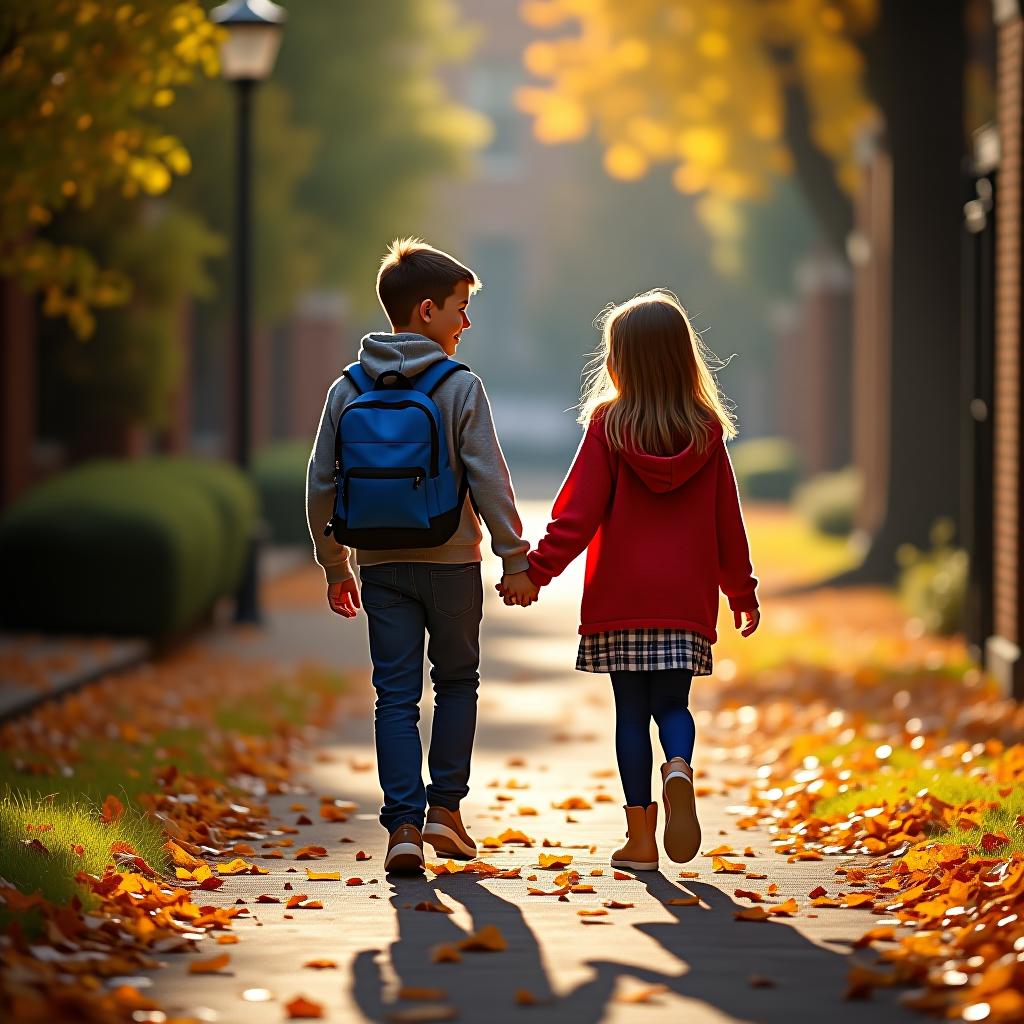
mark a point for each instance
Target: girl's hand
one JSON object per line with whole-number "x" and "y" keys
{"x": 518, "y": 589}
{"x": 753, "y": 620}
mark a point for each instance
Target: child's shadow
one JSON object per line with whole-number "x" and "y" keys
{"x": 721, "y": 954}
{"x": 484, "y": 985}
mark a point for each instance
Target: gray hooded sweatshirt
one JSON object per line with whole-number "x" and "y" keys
{"x": 472, "y": 446}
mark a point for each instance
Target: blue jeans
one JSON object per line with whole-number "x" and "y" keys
{"x": 640, "y": 696}
{"x": 404, "y": 600}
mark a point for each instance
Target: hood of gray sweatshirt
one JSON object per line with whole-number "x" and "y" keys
{"x": 407, "y": 353}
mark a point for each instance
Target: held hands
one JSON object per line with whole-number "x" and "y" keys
{"x": 753, "y": 620}
{"x": 344, "y": 598}
{"x": 517, "y": 589}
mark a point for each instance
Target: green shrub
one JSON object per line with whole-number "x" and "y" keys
{"x": 280, "y": 476}
{"x": 829, "y": 501}
{"x": 111, "y": 547}
{"x": 235, "y": 501}
{"x": 766, "y": 467}
{"x": 933, "y": 584}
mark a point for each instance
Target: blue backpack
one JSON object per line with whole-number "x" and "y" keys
{"x": 395, "y": 485}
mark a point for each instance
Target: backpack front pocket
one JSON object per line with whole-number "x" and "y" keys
{"x": 386, "y": 499}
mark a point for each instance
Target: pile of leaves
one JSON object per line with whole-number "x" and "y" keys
{"x": 197, "y": 742}
{"x": 876, "y": 742}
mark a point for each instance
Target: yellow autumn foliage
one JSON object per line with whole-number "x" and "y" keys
{"x": 700, "y": 85}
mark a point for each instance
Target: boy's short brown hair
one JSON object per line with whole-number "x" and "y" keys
{"x": 412, "y": 271}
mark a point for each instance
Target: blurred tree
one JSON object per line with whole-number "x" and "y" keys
{"x": 737, "y": 92}
{"x": 79, "y": 82}
{"x": 349, "y": 134}
{"x": 128, "y": 372}
{"x": 731, "y": 93}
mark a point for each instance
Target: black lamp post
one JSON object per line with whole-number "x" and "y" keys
{"x": 253, "y": 37}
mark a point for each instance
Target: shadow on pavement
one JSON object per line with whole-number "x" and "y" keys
{"x": 716, "y": 957}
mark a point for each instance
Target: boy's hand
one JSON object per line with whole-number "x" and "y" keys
{"x": 753, "y": 620}
{"x": 344, "y": 598}
{"x": 518, "y": 589}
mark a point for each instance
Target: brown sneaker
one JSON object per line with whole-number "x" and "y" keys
{"x": 405, "y": 851}
{"x": 682, "y": 829}
{"x": 447, "y": 835}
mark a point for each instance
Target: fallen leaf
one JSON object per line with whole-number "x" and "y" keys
{"x": 112, "y": 810}
{"x": 789, "y": 906}
{"x": 752, "y": 914}
{"x": 362, "y": 855}
{"x": 592, "y": 912}
{"x": 682, "y": 901}
{"x": 301, "y": 1008}
{"x": 310, "y": 852}
{"x": 320, "y": 965}
{"x": 432, "y": 907}
{"x": 642, "y": 995}
{"x": 617, "y": 905}
{"x": 550, "y": 861}
{"x": 211, "y": 965}
{"x": 322, "y": 876}
{"x": 426, "y": 995}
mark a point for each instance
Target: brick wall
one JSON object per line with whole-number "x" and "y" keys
{"x": 1004, "y": 647}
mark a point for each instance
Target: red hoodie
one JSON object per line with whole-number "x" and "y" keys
{"x": 662, "y": 535}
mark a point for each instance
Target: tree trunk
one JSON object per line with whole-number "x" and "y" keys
{"x": 917, "y": 72}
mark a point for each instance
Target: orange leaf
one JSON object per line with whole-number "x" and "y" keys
{"x": 642, "y": 995}
{"x": 211, "y": 965}
{"x": 750, "y": 894}
{"x": 487, "y": 939}
{"x": 322, "y": 876}
{"x": 789, "y": 906}
{"x": 718, "y": 851}
{"x": 682, "y": 901}
{"x": 426, "y": 995}
{"x": 728, "y": 867}
{"x": 751, "y": 914}
{"x": 112, "y": 810}
{"x": 310, "y": 852}
{"x": 595, "y": 912}
{"x": 551, "y": 860}
{"x": 432, "y": 907}
{"x": 302, "y": 1008}
{"x": 617, "y": 905}
{"x": 320, "y": 965}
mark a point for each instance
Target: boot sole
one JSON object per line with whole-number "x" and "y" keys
{"x": 635, "y": 865}
{"x": 447, "y": 841}
{"x": 682, "y": 829}
{"x": 404, "y": 859}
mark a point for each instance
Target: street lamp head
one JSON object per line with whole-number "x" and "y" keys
{"x": 254, "y": 30}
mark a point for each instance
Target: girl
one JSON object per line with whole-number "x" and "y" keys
{"x": 652, "y": 496}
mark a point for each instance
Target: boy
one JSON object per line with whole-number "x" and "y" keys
{"x": 425, "y": 293}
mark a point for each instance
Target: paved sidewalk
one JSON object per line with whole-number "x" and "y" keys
{"x": 544, "y": 737}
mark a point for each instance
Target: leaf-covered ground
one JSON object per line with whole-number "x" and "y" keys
{"x": 135, "y": 810}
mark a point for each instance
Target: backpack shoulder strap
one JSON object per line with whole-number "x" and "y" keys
{"x": 430, "y": 379}
{"x": 360, "y": 379}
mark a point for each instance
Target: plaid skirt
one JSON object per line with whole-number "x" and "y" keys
{"x": 644, "y": 650}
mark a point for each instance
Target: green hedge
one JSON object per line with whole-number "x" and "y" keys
{"x": 766, "y": 467}
{"x": 279, "y": 473}
{"x": 235, "y": 501}
{"x": 829, "y": 501}
{"x": 118, "y": 547}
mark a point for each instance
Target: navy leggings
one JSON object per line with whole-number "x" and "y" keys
{"x": 639, "y": 697}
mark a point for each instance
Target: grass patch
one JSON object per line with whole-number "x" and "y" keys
{"x": 782, "y": 543}
{"x": 112, "y": 740}
{"x": 73, "y": 823}
{"x": 905, "y": 774}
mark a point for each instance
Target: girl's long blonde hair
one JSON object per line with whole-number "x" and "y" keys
{"x": 651, "y": 379}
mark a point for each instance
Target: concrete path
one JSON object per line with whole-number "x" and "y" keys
{"x": 544, "y": 736}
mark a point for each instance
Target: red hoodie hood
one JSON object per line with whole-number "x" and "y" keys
{"x": 662, "y": 473}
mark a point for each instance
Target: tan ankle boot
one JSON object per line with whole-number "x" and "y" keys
{"x": 682, "y": 829}
{"x": 641, "y": 849}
